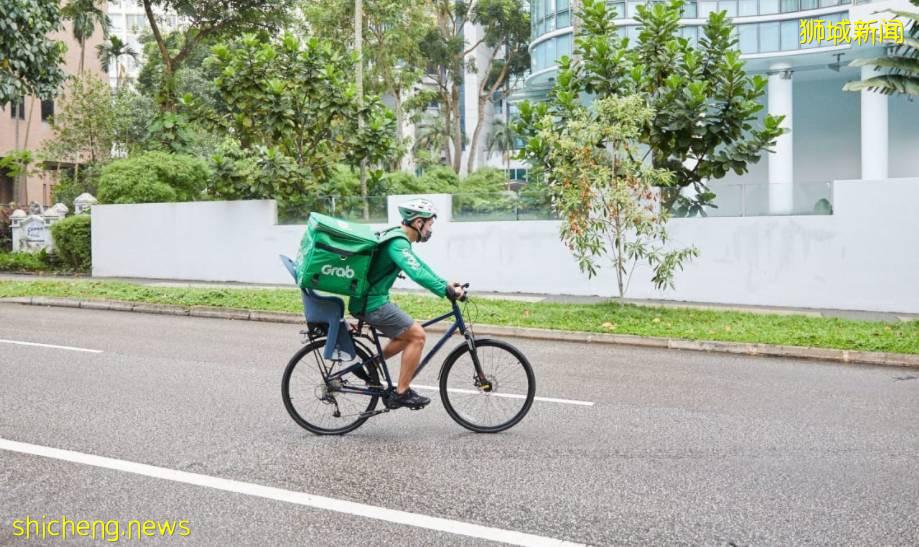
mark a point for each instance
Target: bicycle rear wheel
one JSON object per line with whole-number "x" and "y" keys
{"x": 319, "y": 405}
{"x": 499, "y": 405}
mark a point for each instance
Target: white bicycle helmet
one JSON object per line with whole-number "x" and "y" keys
{"x": 416, "y": 208}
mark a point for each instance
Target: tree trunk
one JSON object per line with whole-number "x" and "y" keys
{"x": 457, "y": 129}
{"x": 17, "y": 182}
{"x": 166, "y": 99}
{"x": 447, "y": 113}
{"x": 470, "y": 164}
{"x": 397, "y": 109}
{"x": 82, "y": 55}
{"x": 359, "y": 77}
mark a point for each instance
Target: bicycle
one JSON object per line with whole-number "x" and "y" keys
{"x": 479, "y": 378}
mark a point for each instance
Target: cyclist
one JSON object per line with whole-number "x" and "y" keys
{"x": 376, "y": 309}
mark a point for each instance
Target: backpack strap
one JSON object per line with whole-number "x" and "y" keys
{"x": 386, "y": 235}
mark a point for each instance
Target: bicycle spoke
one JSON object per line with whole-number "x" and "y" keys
{"x": 508, "y": 398}
{"x": 313, "y": 400}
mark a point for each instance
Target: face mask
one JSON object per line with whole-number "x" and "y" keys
{"x": 422, "y": 238}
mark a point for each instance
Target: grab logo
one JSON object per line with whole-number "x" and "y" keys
{"x": 338, "y": 272}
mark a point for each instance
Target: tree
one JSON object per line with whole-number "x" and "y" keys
{"x": 30, "y": 63}
{"x": 84, "y": 15}
{"x": 444, "y": 49}
{"x": 604, "y": 195}
{"x": 506, "y": 25}
{"x": 391, "y": 51}
{"x": 704, "y": 104}
{"x": 84, "y": 123}
{"x": 502, "y": 138}
{"x": 293, "y": 106}
{"x": 902, "y": 64}
{"x": 112, "y": 51}
{"x": 208, "y": 19}
{"x": 428, "y": 148}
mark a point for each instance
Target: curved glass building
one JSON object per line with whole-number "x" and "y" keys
{"x": 832, "y": 134}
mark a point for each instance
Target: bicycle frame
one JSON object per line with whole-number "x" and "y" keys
{"x": 458, "y": 324}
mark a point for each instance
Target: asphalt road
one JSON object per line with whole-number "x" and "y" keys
{"x": 678, "y": 447}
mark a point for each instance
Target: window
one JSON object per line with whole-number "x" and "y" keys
{"x": 789, "y": 5}
{"x": 747, "y": 7}
{"x": 828, "y": 3}
{"x": 689, "y": 10}
{"x": 790, "y": 34}
{"x": 808, "y": 4}
{"x": 691, "y": 34}
{"x": 768, "y": 37}
{"x": 767, "y": 7}
{"x": 564, "y": 45}
{"x": 20, "y": 109}
{"x": 563, "y": 20}
{"x": 747, "y": 36}
{"x": 47, "y": 110}
{"x": 633, "y": 8}
{"x": 707, "y": 7}
{"x": 730, "y": 7}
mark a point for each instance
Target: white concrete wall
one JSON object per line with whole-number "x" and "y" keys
{"x": 865, "y": 256}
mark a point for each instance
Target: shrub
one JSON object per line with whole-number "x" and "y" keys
{"x": 484, "y": 194}
{"x": 69, "y": 186}
{"x": 438, "y": 180}
{"x": 487, "y": 180}
{"x": 24, "y": 262}
{"x": 6, "y": 229}
{"x": 72, "y": 242}
{"x": 153, "y": 177}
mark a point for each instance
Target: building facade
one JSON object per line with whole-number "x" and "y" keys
{"x": 831, "y": 134}
{"x": 129, "y": 23}
{"x": 27, "y": 127}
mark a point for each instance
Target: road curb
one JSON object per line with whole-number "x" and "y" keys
{"x": 738, "y": 348}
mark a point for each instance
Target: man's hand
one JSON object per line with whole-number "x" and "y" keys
{"x": 456, "y": 291}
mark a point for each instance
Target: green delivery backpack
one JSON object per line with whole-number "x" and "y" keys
{"x": 335, "y": 255}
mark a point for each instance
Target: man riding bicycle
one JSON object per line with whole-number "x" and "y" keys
{"x": 376, "y": 309}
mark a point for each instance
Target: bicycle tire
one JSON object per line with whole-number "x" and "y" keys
{"x": 317, "y": 347}
{"x": 457, "y": 384}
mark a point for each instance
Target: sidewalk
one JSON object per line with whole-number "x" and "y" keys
{"x": 525, "y": 297}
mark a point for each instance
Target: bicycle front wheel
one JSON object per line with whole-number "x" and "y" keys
{"x": 498, "y": 404}
{"x": 323, "y": 406}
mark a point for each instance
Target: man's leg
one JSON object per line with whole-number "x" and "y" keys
{"x": 411, "y": 344}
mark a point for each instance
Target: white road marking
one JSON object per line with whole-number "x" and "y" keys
{"x": 289, "y": 496}
{"x": 68, "y": 348}
{"x": 512, "y": 396}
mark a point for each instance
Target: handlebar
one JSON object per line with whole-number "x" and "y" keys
{"x": 452, "y": 295}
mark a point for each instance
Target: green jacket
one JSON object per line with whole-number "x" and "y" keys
{"x": 395, "y": 255}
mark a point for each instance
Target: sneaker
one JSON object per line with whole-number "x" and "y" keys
{"x": 410, "y": 399}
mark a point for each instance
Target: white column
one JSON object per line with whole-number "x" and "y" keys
{"x": 781, "y": 162}
{"x": 874, "y": 130}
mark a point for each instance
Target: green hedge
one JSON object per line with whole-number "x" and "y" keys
{"x": 154, "y": 177}
{"x": 24, "y": 262}
{"x": 72, "y": 242}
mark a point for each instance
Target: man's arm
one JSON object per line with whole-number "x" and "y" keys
{"x": 400, "y": 251}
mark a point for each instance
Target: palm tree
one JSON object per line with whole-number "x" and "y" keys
{"x": 503, "y": 138}
{"x": 429, "y": 137}
{"x": 113, "y": 50}
{"x": 903, "y": 63}
{"x": 85, "y": 15}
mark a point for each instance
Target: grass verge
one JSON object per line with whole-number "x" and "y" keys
{"x": 683, "y": 323}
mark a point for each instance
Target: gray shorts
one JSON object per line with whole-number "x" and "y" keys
{"x": 388, "y": 319}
